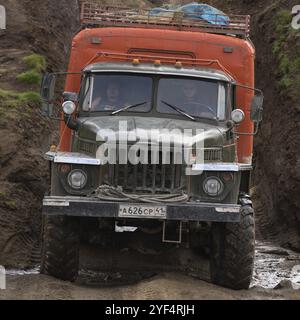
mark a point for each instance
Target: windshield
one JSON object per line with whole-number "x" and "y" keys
{"x": 189, "y": 97}
{"x": 107, "y": 92}
{"x": 198, "y": 98}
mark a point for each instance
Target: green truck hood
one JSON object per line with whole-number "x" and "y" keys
{"x": 99, "y": 128}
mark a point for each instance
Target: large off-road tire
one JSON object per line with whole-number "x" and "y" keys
{"x": 60, "y": 253}
{"x": 233, "y": 250}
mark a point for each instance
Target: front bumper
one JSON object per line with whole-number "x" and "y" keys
{"x": 89, "y": 207}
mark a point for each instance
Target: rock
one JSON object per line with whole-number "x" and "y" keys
{"x": 285, "y": 284}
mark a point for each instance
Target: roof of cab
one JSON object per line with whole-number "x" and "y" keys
{"x": 163, "y": 69}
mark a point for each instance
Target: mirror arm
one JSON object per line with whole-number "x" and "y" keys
{"x": 249, "y": 134}
{"x": 73, "y": 124}
{"x": 250, "y": 88}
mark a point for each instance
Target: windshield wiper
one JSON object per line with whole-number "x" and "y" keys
{"x": 128, "y": 107}
{"x": 179, "y": 110}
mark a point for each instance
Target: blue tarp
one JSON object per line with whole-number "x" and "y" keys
{"x": 196, "y": 11}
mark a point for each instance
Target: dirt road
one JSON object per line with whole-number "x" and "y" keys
{"x": 274, "y": 265}
{"x": 161, "y": 287}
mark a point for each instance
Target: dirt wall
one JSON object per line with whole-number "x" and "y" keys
{"x": 33, "y": 27}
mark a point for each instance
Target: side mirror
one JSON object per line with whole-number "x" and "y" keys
{"x": 47, "y": 94}
{"x": 257, "y": 108}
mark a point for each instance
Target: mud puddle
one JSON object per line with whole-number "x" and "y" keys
{"x": 273, "y": 266}
{"x": 16, "y": 272}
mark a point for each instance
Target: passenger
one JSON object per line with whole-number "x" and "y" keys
{"x": 193, "y": 103}
{"x": 190, "y": 91}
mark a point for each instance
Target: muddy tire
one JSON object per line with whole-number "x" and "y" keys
{"x": 60, "y": 253}
{"x": 233, "y": 250}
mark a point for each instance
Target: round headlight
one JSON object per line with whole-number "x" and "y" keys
{"x": 213, "y": 186}
{"x": 69, "y": 107}
{"x": 77, "y": 179}
{"x": 238, "y": 116}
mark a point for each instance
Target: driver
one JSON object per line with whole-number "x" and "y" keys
{"x": 112, "y": 100}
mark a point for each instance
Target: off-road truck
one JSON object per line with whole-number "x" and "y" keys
{"x": 133, "y": 73}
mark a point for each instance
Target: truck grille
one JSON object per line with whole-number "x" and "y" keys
{"x": 148, "y": 178}
{"x": 213, "y": 154}
{"x": 87, "y": 147}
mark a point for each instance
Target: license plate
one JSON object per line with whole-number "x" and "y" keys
{"x": 143, "y": 211}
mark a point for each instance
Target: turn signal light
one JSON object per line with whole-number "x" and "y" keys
{"x": 64, "y": 168}
{"x": 135, "y": 62}
{"x": 53, "y": 148}
{"x": 178, "y": 64}
{"x": 227, "y": 176}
